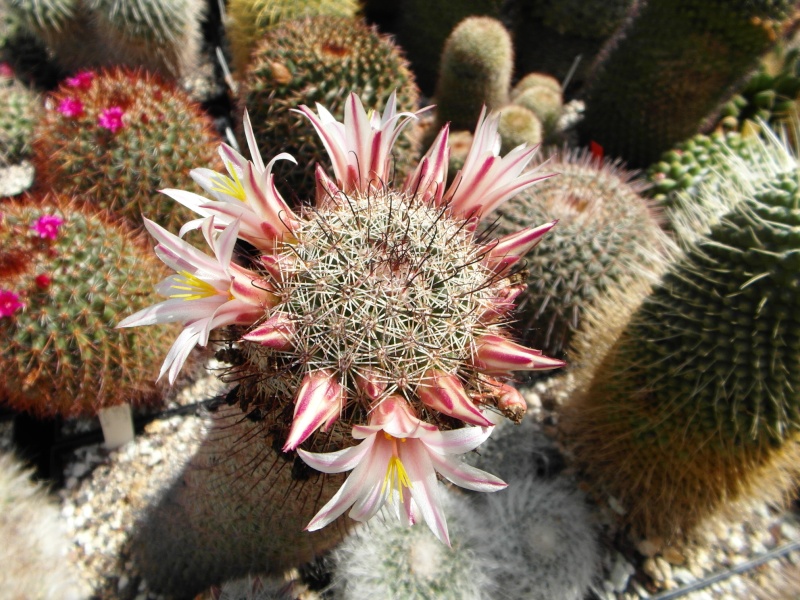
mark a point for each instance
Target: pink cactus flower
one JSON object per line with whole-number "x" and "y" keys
{"x": 82, "y": 80}
{"x": 111, "y": 119}
{"x": 47, "y": 226}
{"x": 6, "y": 70}
{"x": 397, "y": 462}
{"x": 9, "y": 303}
{"x": 70, "y": 107}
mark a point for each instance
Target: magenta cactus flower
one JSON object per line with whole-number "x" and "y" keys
{"x": 9, "y": 303}
{"x": 70, "y": 107}
{"x": 376, "y": 312}
{"x": 46, "y": 226}
{"x": 111, "y": 119}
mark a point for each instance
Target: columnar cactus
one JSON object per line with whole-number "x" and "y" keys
{"x": 476, "y": 66}
{"x": 249, "y": 20}
{"x": 676, "y": 63}
{"x": 606, "y": 232}
{"x": 370, "y": 328}
{"x": 310, "y": 61}
{"x": 117, "y": 136}
{"x": 695, "y": 402}
{"x": 66, "y": 271}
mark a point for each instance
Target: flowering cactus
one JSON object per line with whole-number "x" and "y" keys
{"x": 376, "y": 314}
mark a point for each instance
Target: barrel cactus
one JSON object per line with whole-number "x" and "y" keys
{"x": 605, "y": 232}
{"x": 695, "y": 402}
{"x": 312, "y": 61}
{"x": 116, "y": 137}
{"x": 66, "y": 272}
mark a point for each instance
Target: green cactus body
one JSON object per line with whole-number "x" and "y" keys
{"x": 592, "y": 20}
{"x": 61, "y": 353}
{"x": 19, "y": 109}
{"x": 696, "y": 162}
{"x": 476, "y": 66}
{"x": 119, "y": 138}
{"x": 249, "y": 21}
{"x": 696, "y": 402}
{"x": 161, "y": 36}
{"x": 606, "y": 231}
{"x": 518, "y": 125}
{"x": 536, "y": 80}
{"x": 424, "y": 25}
{"x": 676, "y": 63}
{"x": 313, "y": 60}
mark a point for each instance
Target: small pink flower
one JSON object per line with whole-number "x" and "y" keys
{"x": 6, "y": 70}
{"x": 9, "y": 303}
{"x": 47, "y": 226}
{"x": 82, "y": 80}
{"x": 70, "y": 107}
{"x": 111, "y": 119}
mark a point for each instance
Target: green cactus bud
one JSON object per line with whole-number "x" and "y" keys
{"x": 605, "y": 232}
{"x": 675, "y": 64}
{"x": 70, "y": 272}
{"x": 518, "y": 125}
{"x": 310, "y": 61}
{"x": 695, "y": 403}
{"x": 532, "y": 80}
{"x": 161, "y": 36}
{"x": 249, "y": 20}
{"x": 476, "y": 67}
{"x": 19, "y": 108}
{"x": 116, "y": 137}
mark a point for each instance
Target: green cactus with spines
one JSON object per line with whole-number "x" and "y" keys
{"x": 19, "y": 108}
{"x": 161, "y": 36}
{"x": 475, "y": 71}
{"x": 592, "y": 20}
{"x": 695, "y": 403}
{"x": 163, "y": 135}
{"x": 518, "y": 125}
{"x": 770, "y": 95}
{"x": 677, "y": 61}
{"x": 605, "y": 231}
{"x": 61, "y": 352}
{"x": 313, "y": 60}
{"x": 545, "y": 102}
{"x": 50, "y": 15}
{"x": 249, "y": 20}
{"x": 424, "y": 25}
{"x": 532, "y": 80}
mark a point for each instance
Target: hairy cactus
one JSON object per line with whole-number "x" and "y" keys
{"x": 35, "y": 546}
{"x": 160, "y": 36}
{"x": 66, "y": 272}
{"x": 239, "y": 506}
{"x": 249, "y": 21}
{"x": 518, "y": 125}
{"x": 386, "y": 560}
{"x": 424, "y": 25}
{"x": 310, "y": 61}
{"x": 476, "y": 65}
{"x": 19, "y": 108}
{"x": 605, "y": 232}
{"x": 543, "y": 96}
{"x": 694, "y": 403}
{"x": 675, "y": 64}
{"x": 116, "y": 137}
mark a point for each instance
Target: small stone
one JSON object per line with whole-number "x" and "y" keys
{"x": 650, "y": 547}
{"x": 789, "y": 531}
{"x": 621, "y": 573}
{"x": 614, "y": 504}
{"x": 658, "y": 569}
{"x": 673, "y": 556}
{"x": 122, "y": 583}
{"x": 683, "y": 575}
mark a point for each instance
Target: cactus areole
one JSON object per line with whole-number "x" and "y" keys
{"x": 375, "y": 315}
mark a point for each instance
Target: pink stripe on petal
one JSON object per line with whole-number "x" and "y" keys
{"x": 467, "y": 476}
{"x": 338, "y": 461}
{"x": 424, "y": 487}
{"x": 457, "y": 441}
{"x": 496, "y": 353}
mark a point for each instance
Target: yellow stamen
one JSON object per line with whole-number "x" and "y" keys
{"x": 194, "y": 287}
{"x": 396, "y": 477}
{"x": 231, "y": 186}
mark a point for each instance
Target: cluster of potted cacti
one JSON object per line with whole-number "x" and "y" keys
{"x": 371, "y": 280}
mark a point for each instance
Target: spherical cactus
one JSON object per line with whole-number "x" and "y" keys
{"x": 160, "y": 36}
{"x": 694, "y": 405}
{"x": 532, "y": 80}
{"x": 66, "y": 274}
{"x": 518, "y": 125}
{"x": 674, "y": 65}
{"x": 35, "y": 547}
{"x": 605, "y": 232}
{"x": 116, "y": 137}
{"x": 476, "y": 66}
{"x": 310, "y": 61}
{"x": 249, "y": 20}
{"x": 386, "y": 560}
{"x": 543, "y": 101}
{"x": 19, "y": 108}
